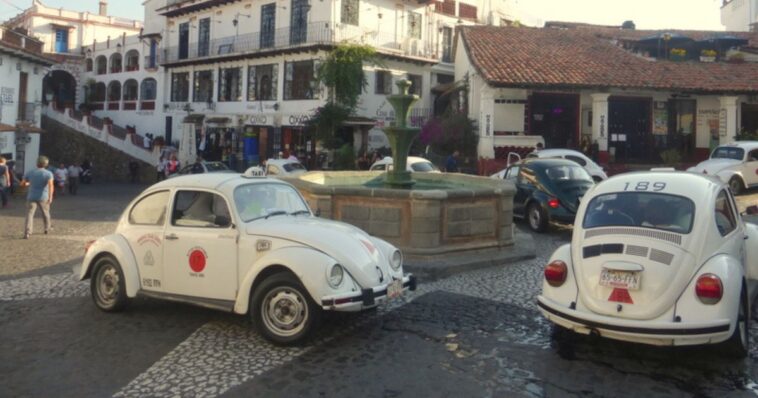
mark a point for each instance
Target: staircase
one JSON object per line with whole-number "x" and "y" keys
{"x": 114, "y": 136}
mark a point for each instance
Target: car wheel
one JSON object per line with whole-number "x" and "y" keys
{"x": 735, "y": 184}
{"x": 283, "y": 311}
{"x": 108, "y": 286}
{"x": 739, "y": 343}
{"x": 537, "y": 218}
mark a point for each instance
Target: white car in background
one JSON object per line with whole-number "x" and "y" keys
{"x": 284, "y": 167}
{"x": 592, "y": 168}
{"x": 245, "y": 244}
{"x": 415, "y": 164}
{"x": 735, "y": 163}
{"x": 660, "y": 258}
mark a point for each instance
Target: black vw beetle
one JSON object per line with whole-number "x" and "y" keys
{"x": 547, "y": 190}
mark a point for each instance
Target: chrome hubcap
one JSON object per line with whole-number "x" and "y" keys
{"x": 107, "y": 284}
{"x": 284, "y": 311}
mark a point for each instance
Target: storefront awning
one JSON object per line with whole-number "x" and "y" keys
{"x": 6, "y": 127}
{"x": 218, "y": 120}
{"x": 195, "y": 119}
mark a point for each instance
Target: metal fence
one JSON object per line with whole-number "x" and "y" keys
{"x": 308, "y": 34}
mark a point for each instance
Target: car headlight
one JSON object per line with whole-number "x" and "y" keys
{"x": 335, "y": 276}
{"x": 396, "y": 260}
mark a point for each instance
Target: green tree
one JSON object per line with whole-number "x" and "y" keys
{"x": 342, "y": 74}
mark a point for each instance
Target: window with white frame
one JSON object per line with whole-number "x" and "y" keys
{"x": 262, "y": 82}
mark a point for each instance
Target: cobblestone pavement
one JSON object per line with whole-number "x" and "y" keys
{"x": 474, "y": 334}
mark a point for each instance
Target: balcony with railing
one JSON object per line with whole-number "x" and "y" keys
{"x": 316, "y": 33}
{"x": 152, "y": 62}
{"x": 20, "y": 41}
{"x": 179, "y": 7}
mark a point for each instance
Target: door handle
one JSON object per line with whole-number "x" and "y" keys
{"x": 171, "y": 237}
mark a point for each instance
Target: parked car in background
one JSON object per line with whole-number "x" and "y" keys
{"x": 661, "y": 258}
{"x": 735, "y": 163}
{"x": 415, "y": 164}
{"x": 206, "y": 167}
{"x": 592, "y": 168}
{"x": 246, "y": 244}
{"x": 547, "y": 190}
{"x": 284, "y": 167}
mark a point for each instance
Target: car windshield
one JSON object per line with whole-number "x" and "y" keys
{"x": 641, "y": 209}
{"x": 254, "y": 201}
{"x": 215, "y": 166}
{"x": 290, "y": 167}
{"x": 565, "y": 173}
{"x": 728, "y": 152}
{"x": 424, "y": 167}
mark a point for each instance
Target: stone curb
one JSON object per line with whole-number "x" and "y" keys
{"x": 430, "y": 268}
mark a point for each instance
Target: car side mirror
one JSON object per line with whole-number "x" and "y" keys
{"x": 222, "y": 221}
{"x": 751, "y": 210}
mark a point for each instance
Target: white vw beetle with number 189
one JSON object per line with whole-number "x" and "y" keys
{"x": 660, "y": 258}
{"x": 244, "y": 244}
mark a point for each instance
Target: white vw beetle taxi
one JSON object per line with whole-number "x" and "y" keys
{"x": 735, "y": 164}
{"x": 245, "y": 244}
{"x": 660, "y": 258}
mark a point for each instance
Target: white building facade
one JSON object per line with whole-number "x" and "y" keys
{"x": 739, "y": 15}
{"x": 22, "y": 68}
{"x": 238, "y": 75}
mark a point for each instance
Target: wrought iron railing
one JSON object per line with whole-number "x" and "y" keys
{"x": 310, "y": 34}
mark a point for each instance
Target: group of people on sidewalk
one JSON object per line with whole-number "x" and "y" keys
{"x": 68, "y": 176}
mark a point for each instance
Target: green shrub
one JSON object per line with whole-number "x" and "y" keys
{"x": 344, "y": 158}
{"x": 671, "y": 157}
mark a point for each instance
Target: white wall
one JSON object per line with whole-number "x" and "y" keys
{"x": 739, "y": 14}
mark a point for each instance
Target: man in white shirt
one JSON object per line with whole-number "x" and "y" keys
{"x": 61, "y": 175}
{"x": 74, "y": 171}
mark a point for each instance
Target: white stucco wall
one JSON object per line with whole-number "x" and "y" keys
{"x": 737, "y": 15}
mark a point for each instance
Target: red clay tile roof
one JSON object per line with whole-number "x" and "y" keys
{"x": 587, "y": 58}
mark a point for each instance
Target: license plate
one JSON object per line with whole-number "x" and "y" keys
{"x": 395, "y": 289}
{"x": 621, "y": 279}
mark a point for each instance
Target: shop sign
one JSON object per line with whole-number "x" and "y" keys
{"x": 709, "y": 121}
{"x": 259, "y": 120}
{"x": 298, "y": 120}
{"x": 660, "y": 118}
{"x": 7, "y": 94}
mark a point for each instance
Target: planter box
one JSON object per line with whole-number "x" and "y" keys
{"x": 707, "y": 59}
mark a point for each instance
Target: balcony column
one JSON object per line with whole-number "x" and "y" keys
{"x": 486, "y": 146}
{"x": 600, "y": 124}
{"x": 728, "y": 120}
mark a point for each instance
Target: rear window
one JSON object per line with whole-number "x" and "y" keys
{"x": 215, "y": 166}
{"x": 290, "y": 167}
{"x": 567, "y": 173}
{"x": 728, "y": 152}
{"x": 423, "y": 167}
{"x": 641, "y": 209}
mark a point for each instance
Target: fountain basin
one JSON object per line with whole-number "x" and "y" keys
{"x": 440, "y": 214}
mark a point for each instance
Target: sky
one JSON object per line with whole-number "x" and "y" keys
{"x": 646, "y": 14}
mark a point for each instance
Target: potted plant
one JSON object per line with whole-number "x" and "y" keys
{"x": 736, "y": 58}
{"x": 678, "y": 54}
{"x": 707, "y": 55}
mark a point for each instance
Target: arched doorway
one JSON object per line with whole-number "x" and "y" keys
{"x": 59, "y": 87}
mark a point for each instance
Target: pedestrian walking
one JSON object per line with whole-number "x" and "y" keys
{"x": 40, "y": 194}
{"x": 451, "y": 165}
{"x": 172, "y": 167}
{"x": 160, "y": 169}
{"x": 74, "y": 173}
{"x": 61, "y": 175}
{"x": 5, "y": 181}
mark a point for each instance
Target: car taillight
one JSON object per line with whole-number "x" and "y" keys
{"x": 87, "y": 246}
{"x": 709, "y": 289}
{"x": 555, "y": 273}
{"x": 553, "y": 202}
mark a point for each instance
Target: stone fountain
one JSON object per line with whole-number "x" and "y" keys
{"x": 401, "y": 136}
{"x": 443, "y": 222}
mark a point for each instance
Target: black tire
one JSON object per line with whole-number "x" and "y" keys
{"x": 738, "y": 344}
{"x": 283, "y": 311}
{"x": 736, "y": 185}
{"x": 537, "y": 218}
{"x": 108, "y": 286}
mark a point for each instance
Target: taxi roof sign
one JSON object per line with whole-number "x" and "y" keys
{"x": 255, "y": 172}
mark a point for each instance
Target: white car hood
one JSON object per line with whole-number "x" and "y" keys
{"x": 713, "y": 166}
{"x": 350, "y": 246}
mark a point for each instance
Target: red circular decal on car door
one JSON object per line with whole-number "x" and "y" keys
{"x": 197, "y": 260}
